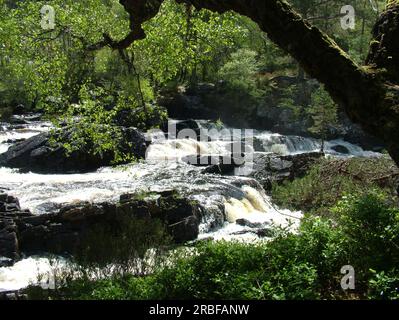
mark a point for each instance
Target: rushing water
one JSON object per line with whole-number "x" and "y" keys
{"x": 231, "y": 196}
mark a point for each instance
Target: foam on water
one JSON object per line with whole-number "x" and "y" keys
{"x": 284, "y": 145}
{"x": 254, "y": 207}
{"x": 28, "y": 271}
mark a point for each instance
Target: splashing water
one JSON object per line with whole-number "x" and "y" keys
{"x": 230, "y": 197}
{"x": 32, "y": 270}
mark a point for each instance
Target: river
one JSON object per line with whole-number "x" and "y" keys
{"x": 237, "y": 196}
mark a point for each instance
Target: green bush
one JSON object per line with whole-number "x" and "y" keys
{"x": 370, "y": 226}
{"x": 331, "y": 179}
{"x": 384, "y": 285}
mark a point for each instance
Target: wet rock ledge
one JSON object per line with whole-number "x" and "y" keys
{"x": 21, "y": 232}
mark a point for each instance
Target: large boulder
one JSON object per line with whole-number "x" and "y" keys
{"x": 40, "y": 154}
{"x": 181, "y": 215}
{"x": 340, "y": 149}
{"x": 63, "y": 232}
{"x": 269, "y": 168}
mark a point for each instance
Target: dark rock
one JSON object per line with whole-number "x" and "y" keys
{"x": 9, "y": 209}
{"x": 19, "y": 109}
{"x": 134, "y": 142}
{"x": 12, "y": 141}
{"x": 9, "y": 244}
{"x": 265, "y": 233}
{"x": 215, "y": 164}
{"x": 34, "y": 220}
{"x": 19, "y": 154}
{"x": 182, "y": 128}
{"x": 38, "y": 154}
{"x": 208, "y": 160}
{"x": 222, "y": 168}
{"x": 340, "y": 149}
{"x": 182, "y": 216}
{"x": 246, "y": 223}
{"x": 261, "y": 233}
{"x": 185, "y": 106}
{"x": 268, "y": 168}
{"x": 64, "y": 231}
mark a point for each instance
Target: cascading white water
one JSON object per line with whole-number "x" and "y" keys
{"x": 26, "y": 272}
{"x": 284, "y": 145}
{"x": 231, "y": 196}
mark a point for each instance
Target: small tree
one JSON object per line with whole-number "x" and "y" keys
{"x": 240, "y": 72}
{"x": 323, "y": 112}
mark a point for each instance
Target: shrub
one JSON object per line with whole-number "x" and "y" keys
{"x": 370, "y": 226}
{"x": 330, "y": 179}
{"x": 384, "y": 285}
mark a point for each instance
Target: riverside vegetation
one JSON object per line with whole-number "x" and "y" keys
{"x": 347, "y": 223}
{"x": 351, "y": 205}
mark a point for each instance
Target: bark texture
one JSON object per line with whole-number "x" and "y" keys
{"x": 368, "y": 94}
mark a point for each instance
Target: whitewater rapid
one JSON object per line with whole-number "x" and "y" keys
{"x": 234, "y": 197}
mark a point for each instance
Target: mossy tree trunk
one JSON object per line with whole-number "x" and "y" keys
{"x": 368, "y": 94}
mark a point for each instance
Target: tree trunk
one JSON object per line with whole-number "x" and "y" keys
{"x": 369, "y": 95}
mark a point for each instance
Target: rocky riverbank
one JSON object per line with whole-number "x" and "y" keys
{"x": 62, "y": 232}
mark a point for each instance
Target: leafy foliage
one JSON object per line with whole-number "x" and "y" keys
{"x": 240, "y": 71}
